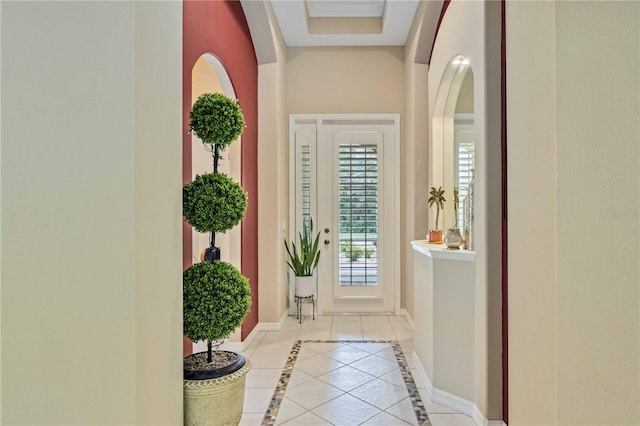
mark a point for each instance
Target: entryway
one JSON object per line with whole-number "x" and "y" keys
{"x": 347, "y": 180}
{"x": 329, "y": 372}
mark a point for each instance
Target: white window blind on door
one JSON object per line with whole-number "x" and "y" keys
{"x": 358, "y": 214}
{"x": 305, "y": 177}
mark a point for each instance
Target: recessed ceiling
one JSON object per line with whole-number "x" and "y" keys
{"x": 345, "y": 22}
{"x": 345, "y": 8}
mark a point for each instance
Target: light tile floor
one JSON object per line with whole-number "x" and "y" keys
{"x": 338, "y": 383}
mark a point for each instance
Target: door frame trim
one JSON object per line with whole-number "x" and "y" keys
{"x": 319, "y": 119}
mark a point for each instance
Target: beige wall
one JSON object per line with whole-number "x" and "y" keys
{"x": 597, "y": 101}
{"x": 423, "y": 317}
{"x": 91, "y": 247}
{"x": 463, "y": 32}
{"x": 345, "y": 80}
{"x": 158, "y": 212}
{"x": 414, "y": 163}
{"x": 273, "y": 184}
{"x": 531, "y": 211}
{"x": 1, "y": 218}
{"x": 574, "y": 92}
{"x": 464, "y": 103}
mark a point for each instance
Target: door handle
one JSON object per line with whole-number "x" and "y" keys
{"x": 326, "y": 242}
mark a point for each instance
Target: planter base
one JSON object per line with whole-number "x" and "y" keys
{"x": 215, "y": 402}
{"x": 435, "y": 236}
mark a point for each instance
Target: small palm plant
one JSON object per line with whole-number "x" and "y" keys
{"x": 305, "y": 262}
{"x": 437, "y": 198}
{"x": 456, "y": 202}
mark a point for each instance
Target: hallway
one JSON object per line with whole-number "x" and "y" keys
{"x": 348, "y": 380}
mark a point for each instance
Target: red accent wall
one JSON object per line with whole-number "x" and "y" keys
{"x": 220, "y": 28}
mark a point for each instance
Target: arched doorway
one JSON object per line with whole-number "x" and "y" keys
{"x": 208, "y": 75}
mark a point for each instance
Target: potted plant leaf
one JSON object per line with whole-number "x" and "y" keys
{"x": 303, "y": 261}
{"x": 436, "y": 197}
{"x": 216, "y": 297}
{"x": 453, "y": 239}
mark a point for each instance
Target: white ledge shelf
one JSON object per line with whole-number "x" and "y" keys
{"x": 440, "y": 251}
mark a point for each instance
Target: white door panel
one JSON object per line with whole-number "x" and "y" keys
{"x": 346, "y": 179}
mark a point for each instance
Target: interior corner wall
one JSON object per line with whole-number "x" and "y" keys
{"x": 220, "y": 28}
{"x": 270, "y": 166}
{"x": 273, "y": 168}
{"x": 283, "y": 183}
{"x": 414, "y": 165}
{"x": 573, "y": 134}
{"x": 158, "y": 212}
{"x": 89, "y": 157}
{"x": 531, "y": 139}
{"x": 464, "y": 31}
{"x": 414, "y": 174}
{"x": 0, "y": 211}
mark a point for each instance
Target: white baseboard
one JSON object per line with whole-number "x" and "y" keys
{"x": 261, "y": 326}
{"x": 407, "y": 316}
{"x": 242, "y": 346}
{"x": 274, "y": 326}
{"x": 233, "y": 346}
{"x": 422, "y": 373}
{"x": 479, "y": 419}
{"x": 454, "y": 402}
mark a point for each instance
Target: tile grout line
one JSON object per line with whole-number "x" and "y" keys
{"x": 278, "y": 394}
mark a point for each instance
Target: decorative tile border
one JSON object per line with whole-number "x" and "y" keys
{"x": 418, "y": 406}
{"x": 272, "y": 411}
{"x": 416, "y": 401}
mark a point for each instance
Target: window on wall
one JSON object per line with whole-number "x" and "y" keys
{"x": 464, "y": 158}
{"x": 305, "y": 185}
{"x": 305, "y": 164}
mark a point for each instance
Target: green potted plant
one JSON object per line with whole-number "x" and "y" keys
{"x": 216, "y": 297}
{"x": 436, "y": 197}
{"x": 453, "y": 239}
{"x": 304, "y": 262}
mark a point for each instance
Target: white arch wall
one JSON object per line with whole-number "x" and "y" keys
{"x": 442, "y": 132}
{"x": 463, "y": 32}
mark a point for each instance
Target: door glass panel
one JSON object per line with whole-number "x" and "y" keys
{"x": 463, "y": 163}
{"x": 305, "y": 185}
{"x": 358, "y": 210}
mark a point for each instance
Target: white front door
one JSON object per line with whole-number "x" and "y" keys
{"x": 346, "y": 180}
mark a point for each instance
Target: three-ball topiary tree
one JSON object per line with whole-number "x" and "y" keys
{"x": 216, "y": 297}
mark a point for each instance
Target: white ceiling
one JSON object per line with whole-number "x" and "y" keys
{"x": 345, "y": 8}
{"x": 345, "y": 22}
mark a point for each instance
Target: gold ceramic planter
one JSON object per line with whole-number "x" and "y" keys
{"x": 215, "y": 402}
